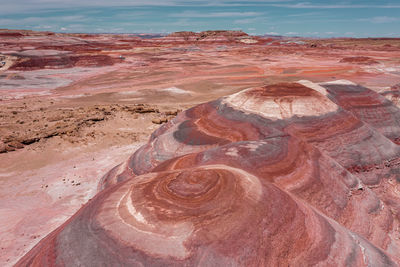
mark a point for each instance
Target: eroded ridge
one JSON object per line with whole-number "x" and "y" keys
{"x": 290, "y": 174}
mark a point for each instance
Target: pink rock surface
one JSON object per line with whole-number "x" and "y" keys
{"x": 291, "y": 174}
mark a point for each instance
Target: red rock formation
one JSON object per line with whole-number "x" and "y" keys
{"x": 359, "y": 60}
{"x": 291, "y": 174}
{"x": 63, "y": 61}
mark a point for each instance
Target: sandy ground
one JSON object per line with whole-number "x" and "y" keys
{"x": 59, "y": 151}
{"x": 49, "y": 195}
{"x": 63, "y": 126}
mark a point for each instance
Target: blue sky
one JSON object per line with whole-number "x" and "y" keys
{"x": 314, "y": 18}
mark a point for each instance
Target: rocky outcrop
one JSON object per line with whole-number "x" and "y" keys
{"x": 289, "y": 174}
{"x": 27, "y": 129}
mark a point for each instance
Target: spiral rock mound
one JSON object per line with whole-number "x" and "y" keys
{"x": 294, "y": 174}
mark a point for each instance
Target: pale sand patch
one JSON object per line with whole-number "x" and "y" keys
{"x": 175, "y": 90}
{"x": 340, "y": 82}
{"x": 35, "y": 202}
{"x": 314, "y": 86}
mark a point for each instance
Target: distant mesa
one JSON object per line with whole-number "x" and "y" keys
{"x": 4, "y": 33}
{"x": 214, "y": 36}
{"x": 292, "y": 174}
{"x": 10, "y": 34}
{"x": 205, "y": 34}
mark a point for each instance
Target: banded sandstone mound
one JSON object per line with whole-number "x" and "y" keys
{"x": 291, "y": 174}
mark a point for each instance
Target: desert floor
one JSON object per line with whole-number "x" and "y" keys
{"x": 74, "y": 106}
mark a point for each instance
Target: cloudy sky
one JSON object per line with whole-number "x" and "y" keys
{"x": 315, "y": 18}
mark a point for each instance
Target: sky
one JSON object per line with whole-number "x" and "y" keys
{"x": 314, "y": 18}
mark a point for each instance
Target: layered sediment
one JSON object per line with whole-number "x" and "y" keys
{"x": 287, "y": 174}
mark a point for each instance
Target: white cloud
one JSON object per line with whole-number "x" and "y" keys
{"x": 383, "y": 19}
{"x": 41, "y": 20}
{"x": 308, "y": 14}
{"x": 309, "y": 5}
{"x": 246, "y": 21}
{"x": 19, "y": 6}
{"x": 392, "y": 34}
{"x": 44, "y": 27}
{"x": 312, "y": 33}
{"x": 29, "y": 6}
{"x": 192, "y": 14}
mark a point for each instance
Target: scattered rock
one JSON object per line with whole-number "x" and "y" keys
{"x": 173, "y": 113}
{"x": 15, "y": 144}
{"x": 159, "y": 120}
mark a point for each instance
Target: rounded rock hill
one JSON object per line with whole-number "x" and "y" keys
{"x": 291, "y": 174}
